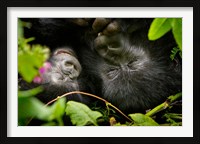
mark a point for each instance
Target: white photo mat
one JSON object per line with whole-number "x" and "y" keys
{"x": 13, "y": 130}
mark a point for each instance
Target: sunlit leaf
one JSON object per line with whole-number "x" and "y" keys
{"x": 159, "y": 27}
{"x": 143, "y": 120}
{"x": 28, "y": 66}
{"x": 30, "y": 60}
{"x": 81, "y": 114}
{"x": 174, "y": 51}
{"x": 177, "y": 30}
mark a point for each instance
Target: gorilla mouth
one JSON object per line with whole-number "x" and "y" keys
{"x": 57, "y": 78}
{"x": 65, "y": 78}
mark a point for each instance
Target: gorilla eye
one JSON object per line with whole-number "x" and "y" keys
{"x": 112, "y": 69}
{"x": 130, "y": 63}
{"x": 112, "y": 73}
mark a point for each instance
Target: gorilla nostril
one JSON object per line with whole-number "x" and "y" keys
{"x": 67, "y": 67}
{"x": 68, "y": 64}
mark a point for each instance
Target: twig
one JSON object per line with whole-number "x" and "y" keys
{"x": 88, "y": 94}
{"x": 164, "y": 105}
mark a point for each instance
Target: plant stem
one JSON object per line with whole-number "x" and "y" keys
{"x": 164, "y": 105}
{"x": 88, "y": 94}
{"x": 60, "y": 121}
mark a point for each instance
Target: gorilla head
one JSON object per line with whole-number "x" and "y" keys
{"x": 65, "y": 68}
{"x": 135, "y": 74}
{"x": 62, "y": 76}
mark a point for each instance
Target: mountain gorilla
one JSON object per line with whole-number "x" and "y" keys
{"x": 111, "y": 58}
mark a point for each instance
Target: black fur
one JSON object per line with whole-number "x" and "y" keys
{"x": 125, "y": 68}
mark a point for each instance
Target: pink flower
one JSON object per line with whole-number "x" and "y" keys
{"x": 42, "y": 70}
{"x": 37, "y": 80}
{"x": 46, "y": 66}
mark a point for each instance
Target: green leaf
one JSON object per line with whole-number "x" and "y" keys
{"x": 180, "y": 54}
{"x": 143, "y": 120}
{"x": 30, "y": 60}
{"x": 81, "y": 114}
{"x": 159, "y": 27}
{"x": 172, "y": 98}
{"x": 173, "y": 118}
{"x": 177, "y": 31}
{"x": 57, "y": 109}
{"x": 30, "y": 93}
{"x": 174, "y": 51}
{"x": 28, "y": 66}
{"x": 31, "y": 107}
{"x": 20, "y": 29}
{"x": 49, "y": 124}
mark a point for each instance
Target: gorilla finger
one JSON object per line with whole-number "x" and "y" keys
{"x": 100, "y": 23}
{"x": 112, "y": 28}
{"x": 108, "y": 47}
{"x": 104, "y": 40}
{"x": 101, "y": 41}
{"x": 81, "y": 21}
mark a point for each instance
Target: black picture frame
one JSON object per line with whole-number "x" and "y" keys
{"x": 96, "y": 3}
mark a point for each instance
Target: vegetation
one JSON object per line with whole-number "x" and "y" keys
{"x": 31, "y": 58}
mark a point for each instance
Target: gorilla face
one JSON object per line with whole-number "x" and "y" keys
{"x": 66, "y": 68}
{"x": 136, "y": 74}
{"x": 63, "y": 74}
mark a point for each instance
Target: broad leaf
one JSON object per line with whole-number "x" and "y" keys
{"x": 31, "y": 107}
{"x": 81, "y": 114}
{"x": 28, "y": 66}
{"x": 143, "y": 120}
{"x": 177, "y": 31}
{"x": 30, "y": 93}
{"x": 57, "y": 109}
{"x": 159, "y": 27}
{"x": 30, "y": 59}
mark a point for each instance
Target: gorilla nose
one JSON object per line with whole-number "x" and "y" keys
{"x": 68, "y": 67}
